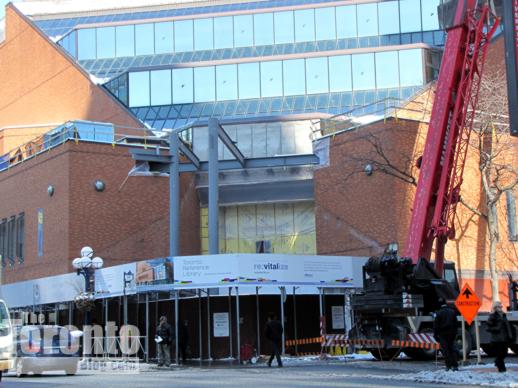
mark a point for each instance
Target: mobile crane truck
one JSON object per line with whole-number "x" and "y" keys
{"x": 400, "y": 293}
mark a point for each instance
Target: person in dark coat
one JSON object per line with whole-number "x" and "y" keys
{"x": 273, "y": 333}
{"x": 183, "y": 339}
{"x": 445, "y": 331}
{"x": 501, "y": 334}
{"x": 164, "y": 337}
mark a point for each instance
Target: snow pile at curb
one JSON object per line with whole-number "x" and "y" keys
{"x": 347, "y": 357}
{"x": 470, "y": 375}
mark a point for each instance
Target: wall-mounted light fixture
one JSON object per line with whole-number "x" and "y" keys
{"x": 50, "y": 190}
{"x": 99, "y": 185}
{"x": 368, "y": 169}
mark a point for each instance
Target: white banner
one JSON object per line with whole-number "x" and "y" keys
{"x": 110, "y": 281}
{"x": 275, "y": 269}
{"x": 337, "y": 314}
{"x": 221, "y": 325}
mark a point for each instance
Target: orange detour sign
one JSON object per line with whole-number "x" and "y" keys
{"x": 467, "y": 303}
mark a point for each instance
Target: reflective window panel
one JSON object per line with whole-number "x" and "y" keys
{"x": 284, "y": 28}
{"x": 325, "y": 23}
{"x": 86, "y": 44}
{"x": 294, "y": 76}
{"x": 144, "y": 39}
{"x": 125, "y": 41}
{"x": 363, "y": 72}
{"x": 161, "y": 87}
{"x": 182, "y": 86}
{"x": 204, "y": 84}
{"x": 183, "y": 36}
{"x": 203, "y": 34}
{"x": 346, "y": 22}
{"x": 248, "y": 80}
{"x": 164, "y": 33}
{"x": 263, "y": 29}
{"x": 139, "y": 88}
{"x": 106, "y": 42}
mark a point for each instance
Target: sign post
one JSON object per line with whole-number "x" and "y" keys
{"x": 468, "y": 305}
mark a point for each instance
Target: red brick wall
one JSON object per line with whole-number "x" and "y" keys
{"x": 41, "y": 84}
{"x": 128, "y": 221}
{"x": 358, "y": 214}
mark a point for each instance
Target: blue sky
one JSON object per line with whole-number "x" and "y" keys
{"x": 2, "y": 6}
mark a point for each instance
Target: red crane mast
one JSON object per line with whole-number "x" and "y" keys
{"x": 451, "y": 123}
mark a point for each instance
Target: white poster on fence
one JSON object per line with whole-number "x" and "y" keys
{"x": 276, "y": 269}
{"x": 337, "y": 313}
{"x": 109, "y": 281}
{"x": 221, "y": 325}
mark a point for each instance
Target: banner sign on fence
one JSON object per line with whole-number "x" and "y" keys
{"x": 221, "y": 325}
{"x": 264, "y": 269}
{"x": 338, "y": 317}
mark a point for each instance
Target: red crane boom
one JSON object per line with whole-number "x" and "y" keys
{"x": 451, "y": 122}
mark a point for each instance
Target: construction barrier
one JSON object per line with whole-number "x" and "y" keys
{"x": 418, "y": 340}
{"x": 304, "y": 341}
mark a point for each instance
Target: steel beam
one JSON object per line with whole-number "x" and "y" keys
{"x": 189, "y": 154}
{"x": 231, "y": 145}
{"x": 274, "y": 161}
{"x": 174, "y": 196}
{"x": 213, "y": 167}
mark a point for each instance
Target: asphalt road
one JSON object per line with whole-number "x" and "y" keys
{"x": 307, "y": 374}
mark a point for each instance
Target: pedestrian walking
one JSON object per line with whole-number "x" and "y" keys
{"x": 273, "y": 333}
{"x": 164, "y": 337}
{"x": 501, "y": 334}
{"x": 445, "y": 331}
{"x": 183, "y": 339}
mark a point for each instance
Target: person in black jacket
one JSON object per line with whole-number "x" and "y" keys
{"x": 445, "y": 331}
{"x": 273, "y": 333}
{"x": 501, "y": 334}
{"x": 163, "y": 338}
{"x": 183, "y": 339}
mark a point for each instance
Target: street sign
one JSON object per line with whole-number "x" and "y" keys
{"x": 468, "y": 303}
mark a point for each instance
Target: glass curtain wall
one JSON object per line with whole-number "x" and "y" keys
{"x": 387, "y": 69}
{"x": 368, "y": 23}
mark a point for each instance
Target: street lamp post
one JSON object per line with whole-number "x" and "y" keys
{"x": 128, "y": 279}
{"x": 86, "y": 266}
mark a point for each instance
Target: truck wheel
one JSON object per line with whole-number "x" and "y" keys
{"x": 385, "y": 354}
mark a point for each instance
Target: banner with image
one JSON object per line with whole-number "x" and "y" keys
{"x": 262, "y": 269}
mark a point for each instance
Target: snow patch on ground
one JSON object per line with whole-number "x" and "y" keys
{"x": 347, "y": 357}
{"x": 484, "y": 375}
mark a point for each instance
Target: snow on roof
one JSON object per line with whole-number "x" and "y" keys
{"x": 53, "y": 7}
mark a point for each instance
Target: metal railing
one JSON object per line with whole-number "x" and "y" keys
{"x": 77, "y": 131}
{"x": 389, "y": 107}
{"x": 115, "y": 347}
